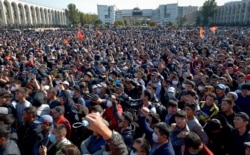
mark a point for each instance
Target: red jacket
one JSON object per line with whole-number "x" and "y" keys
{"x": 64, "y": 121}
{"x": 109, "y": 116}
{"x": 205, "y": 151}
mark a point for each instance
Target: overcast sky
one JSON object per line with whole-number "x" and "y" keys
{"x": 90, "y": 6}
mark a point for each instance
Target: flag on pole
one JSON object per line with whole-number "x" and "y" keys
{"x": 202, "y": 32}
{"x": 80, "y": 35}
{"x": 214, "y": 29}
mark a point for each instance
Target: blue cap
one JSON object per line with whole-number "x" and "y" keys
{"x": 44, "y": 119}
{"x": 221, "y": 86}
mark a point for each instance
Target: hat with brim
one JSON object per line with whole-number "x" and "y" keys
{"x": 44, "y": 119}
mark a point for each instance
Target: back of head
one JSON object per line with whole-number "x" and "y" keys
{"x": 70, "y": 150}
{"x": 192, "y": 140}
{"x": 61, "y": 129}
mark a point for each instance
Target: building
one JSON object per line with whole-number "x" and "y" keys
{"x": 18, "y": 13}
{"x": 162, "y": 15}
{"x": 106, "y": 13}
{"x": 237, "y": 12}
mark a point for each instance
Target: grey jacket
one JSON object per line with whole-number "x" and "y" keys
{"x": 117, "y": 145}
{"x": 10, "y": 148}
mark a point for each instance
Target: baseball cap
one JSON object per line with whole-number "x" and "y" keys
{"x": 234, "y": 95}
{"x": 171, "y": 89}
{"x": 59, "y": 109}
{"x": 120, "y": 86}
{"x": 221, "y": 86}
{"x": 65, "y": 83}
{"x": 44, "y": 119}
{"x": 242, "y": 115}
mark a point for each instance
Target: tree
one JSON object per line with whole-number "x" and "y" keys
{"x": 181, "y": 20}
{"x": 152, "y": 24}
{"x": 118, "y": 23}
{"x": 72, "y": 14}
{"x": 208, "y": 10}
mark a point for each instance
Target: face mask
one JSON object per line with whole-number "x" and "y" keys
{"x": 183, "y": 85}
{"x": 13, "y": 88}
{"x": 39, "y": 128}
{"x": 200, "y": 87}
{"x": 98, "y": 91}
{"x": 192, "y": 153}
{"x": 170, "y": 95}
{"x": 110, "y": 77}
{"x": 155, "y": 137}
{"x": 52, "y": 138}
{"x": 174, "y": 82}
{"x": 109, "y": 104}
{"x": 43, "y": 82}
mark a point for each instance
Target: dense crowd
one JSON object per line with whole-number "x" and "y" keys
{"x": 150, "y": 91}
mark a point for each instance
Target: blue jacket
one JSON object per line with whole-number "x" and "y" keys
{"x": 165, "y": 149}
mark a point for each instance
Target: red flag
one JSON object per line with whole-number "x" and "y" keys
{"x": 80, "y": 35}
{"x": 214, "y": 28}
{"x": 66, "y": 41}
{"x": 202, "y": 32}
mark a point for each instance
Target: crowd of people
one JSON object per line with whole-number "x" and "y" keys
{"x": 149, "y": 91}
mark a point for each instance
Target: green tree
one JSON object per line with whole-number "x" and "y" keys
{"x": 207, "y": 11}
{"x": 153, "y": 24}
{"x": 72, "y": 14}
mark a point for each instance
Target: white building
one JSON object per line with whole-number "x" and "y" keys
{"x": 106, "y": 13}
{"x": 237, "y": 12}
{"x": 13, "y": 12}
{"x": 161, "y": 15}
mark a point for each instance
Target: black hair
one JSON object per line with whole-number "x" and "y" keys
{"x": 4, "y": 131}
{"x": 181, "y": 113}
{"x": 97, "y": 108}
{"x": 145, "y": 145}
{"x": 192, "y": 140}
{"x": 172, "y": 103}
{"x": 163, "y": 128}
{"x": 155, "y": 118}
{"x": 31, "y": 110}
{"x": 148, "y": 94}
{"x": 128, "y": 116}
{"x": 192, "y": 106}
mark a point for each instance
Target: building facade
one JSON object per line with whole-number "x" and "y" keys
{"x": 18, "y": 13}
{"x": 162, "y": 15}
{"x": 106, "y": 13}
{"x": 237, "y": 12}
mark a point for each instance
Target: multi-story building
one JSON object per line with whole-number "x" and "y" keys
{"x": 106, "y": 13}
{"x": 161, "y": 15}
{"x": 18, "y": 13}
{"x": 237, "y": 12}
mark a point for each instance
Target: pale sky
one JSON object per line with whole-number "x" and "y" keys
{"x": 90, "y": 6}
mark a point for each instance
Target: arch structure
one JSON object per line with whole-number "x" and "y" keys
{"x": 13, "y": 12}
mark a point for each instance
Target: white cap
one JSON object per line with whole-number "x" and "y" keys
{"x": 65, "y": 82}
{"x": 171, "y": 89}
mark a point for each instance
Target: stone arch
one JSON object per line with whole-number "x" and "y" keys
{"x": 8, "y": 13}
{"x": 16, "y": 16}
{"x": 33, "y": 15}
{"x": 46, "y": 16}
{"x": 27, "y": 13}
{"x": 22, "y": 14}
{"x": 42, "y": 16}
{"x": 2, "y": 14}
{"x": 38, "y": 15}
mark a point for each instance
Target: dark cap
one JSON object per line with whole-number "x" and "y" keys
{"x": 242, "y": 115}
{"x": 119, "y": 85}
{"x": 221, "y": 86}
{"x": 245, "y": 86}
{"x": 214, "y": 124}
{"x": 77, "y": 88}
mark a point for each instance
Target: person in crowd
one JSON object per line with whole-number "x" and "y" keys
{"x": 27, "y": 134}
{"x": 194, "y": 145}
{"x": 240, "y": 134}
{"x": 219, "y": 136}
{"x": 7, "y": 145}
{"x": 141, "y": 147}
{"x": 179, "y": 130}
{"x": 194, "y": 124}
{"x": 52, "y": 99}
{"x": 227, "y": 110}
{"x": 172, "y": 110}
{"x": 208, "y": 109}
{"x": 161, "y": 138}
{"x": 244, "y": 98}
{"x": 58, "y": 117}
{"x": 44, "y": 130}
